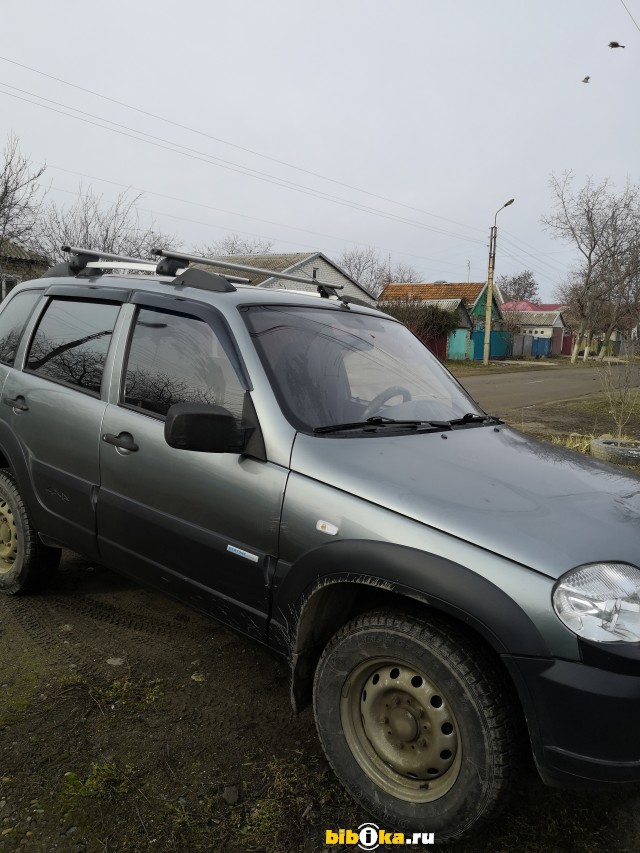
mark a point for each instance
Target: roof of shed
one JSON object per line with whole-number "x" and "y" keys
{"x": 14, "y": 251}
{"x": 277, "y": 263}
{"x": 287, "y": 262}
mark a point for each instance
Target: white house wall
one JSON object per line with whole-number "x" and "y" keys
{"x": 537, "y": 331}
{"x": 326, "y": 272}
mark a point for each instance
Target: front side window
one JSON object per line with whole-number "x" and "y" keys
{"x": 332, "y": 367}
{"x": 13, "y": 319}
{"x": 71, "y": 342}
{"x": 176, "y": 358}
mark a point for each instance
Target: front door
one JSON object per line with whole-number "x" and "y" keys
{"x": 202, "y": 527}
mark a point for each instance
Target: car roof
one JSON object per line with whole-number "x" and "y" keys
{"x": 241, "y": 294}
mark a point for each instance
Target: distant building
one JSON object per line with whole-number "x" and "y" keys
{"x": 18, "y": 264}
{"x": 473, "y": 295}
{"x": 302, "y": 264}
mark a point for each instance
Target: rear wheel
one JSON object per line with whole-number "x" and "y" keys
{"x": 24, "y": 560}
{"x": 418, "y": 723}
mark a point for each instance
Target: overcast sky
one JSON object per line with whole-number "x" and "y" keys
{"x": 440, "y": 110}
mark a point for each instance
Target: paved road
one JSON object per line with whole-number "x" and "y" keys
{"x": 499, "y": 393}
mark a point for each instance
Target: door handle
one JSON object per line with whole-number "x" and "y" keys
{"x": 124, "y": 441}
{"x": 17, "y": 403}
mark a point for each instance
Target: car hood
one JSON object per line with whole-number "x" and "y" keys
{"x": 527, "y": 500}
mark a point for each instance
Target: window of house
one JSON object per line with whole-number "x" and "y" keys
{"x": 13, "y": 319}
{"x": 7, "y": 286}
{"x": 176, "y": 358}
{"x": 71, "y": 342}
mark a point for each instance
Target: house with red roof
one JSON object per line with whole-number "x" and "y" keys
{"x": 464, "y": 340}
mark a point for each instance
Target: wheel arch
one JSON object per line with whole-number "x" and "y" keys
{"x": 12, "y": 457}
{"x": 329, "y": 586}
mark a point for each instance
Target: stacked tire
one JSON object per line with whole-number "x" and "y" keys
{"x": 620, "y": 451}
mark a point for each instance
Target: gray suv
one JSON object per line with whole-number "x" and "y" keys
{"x": 452, "y": 596}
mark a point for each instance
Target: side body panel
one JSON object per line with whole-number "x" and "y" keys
{"x": 201, "y": 526}
{"x": 431, "y": 563}
{"x": 59, "y": 434}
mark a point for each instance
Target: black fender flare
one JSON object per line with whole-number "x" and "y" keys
{"x": 428, "y": 578}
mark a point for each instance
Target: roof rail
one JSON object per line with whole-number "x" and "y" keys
{"x": 176, "y": 264}
{"x": 82, "y": 258}
{"x": 324, "y": 288}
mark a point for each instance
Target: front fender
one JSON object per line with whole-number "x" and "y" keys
{"x": 436, "y": 581}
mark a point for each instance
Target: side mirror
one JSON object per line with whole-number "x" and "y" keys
{"x": 203, "y": 427}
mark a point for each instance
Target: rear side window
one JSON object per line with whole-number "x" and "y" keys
{"x": 71, "y": 342}
{"x": 13, "y": 319}
{"x": 175, "y": 358}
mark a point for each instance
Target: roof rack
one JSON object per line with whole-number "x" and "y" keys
{"x": 82, "y": 258}
{"x": 174, "y": 263}
{"x": 172, "y": 257}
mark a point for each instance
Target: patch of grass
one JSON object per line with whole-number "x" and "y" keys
{"x": 22, "y": 686}
{"x": 282, "y": 818}
{"x": 134, "y": 695}
{"x": 574, "y": 441}
{"x": 104, "y": 782}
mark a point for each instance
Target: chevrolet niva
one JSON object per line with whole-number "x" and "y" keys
{"x": 452, "y": 596}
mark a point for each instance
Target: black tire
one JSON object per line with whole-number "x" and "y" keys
{"x": 24, "y": 561}
{"x": 620, "y": 452}
{"x": 440, "y": 694}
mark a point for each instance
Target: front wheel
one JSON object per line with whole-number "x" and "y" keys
{"x": 24, "y": 561}
{"x": 418, "y": 723}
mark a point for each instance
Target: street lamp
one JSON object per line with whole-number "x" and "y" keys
{"x": 492, "y": 262}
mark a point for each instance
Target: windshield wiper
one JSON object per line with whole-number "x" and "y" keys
{"x": 375, "y": 421}
{"x": 469, "y": 418}
{"x": 380, "y": 421}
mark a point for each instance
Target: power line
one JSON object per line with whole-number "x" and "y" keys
{"x": 234, "y": 145}
{"x": 630, "y": 15}
{"x": 168, "y": 145}
{"x": 154, "y": 212}
{"x": 543, "y": 274}
{"x": 517, "y": 248}
{"x": 232, "y": 213}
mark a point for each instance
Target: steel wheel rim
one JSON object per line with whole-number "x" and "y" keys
{"x": 8, "y": 538}
{"x": 401, "y": 729}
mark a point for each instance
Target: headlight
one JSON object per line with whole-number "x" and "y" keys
{"x": 600, "y": 602}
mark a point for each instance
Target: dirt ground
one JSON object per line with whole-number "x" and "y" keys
{"x": 129, "y": 723}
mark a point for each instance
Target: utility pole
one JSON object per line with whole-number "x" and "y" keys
{"x": 492, "y": 262}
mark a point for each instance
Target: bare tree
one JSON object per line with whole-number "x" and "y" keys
{"x": 602, "y": 224}
{"x": 234, "y": 244}
{"x": 91, "y": 225}
{"x": 522, "y": 286}
{"x": 405, "y": 274}
{"x": 370, "y": 270}
{"x": 621, "y": 284}
{"x": 620, "y": 385}
{"x": 20, "y": 193}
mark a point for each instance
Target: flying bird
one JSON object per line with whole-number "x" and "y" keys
{"x": 615, "y": 44}
{"x": 586, "y": 79}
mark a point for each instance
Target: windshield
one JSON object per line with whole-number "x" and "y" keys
{"x": 332, "y": 367}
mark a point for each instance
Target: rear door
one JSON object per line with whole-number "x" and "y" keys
{"x": 55, "y": 411}
{"x": 202, "y": 527}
